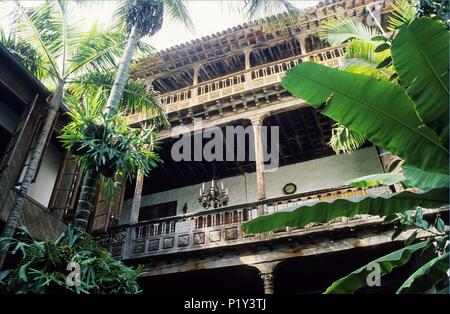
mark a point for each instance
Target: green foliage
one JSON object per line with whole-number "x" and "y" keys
{"x": 146, "y": 16}
{"x": 387, "y": 263}
{"x": 137, "y": 96}
{"x": 403, "y": 12}
{"x": 377, "y": 179}
{"x": 344, "y": 140}
{"x": 261, "y": 8}
{"x": 420, "y": 56}
{"x": 427, "y": 276}
{"x": 43, "y": 266}
{"x": 106, "y": 142}
{"x": 424, "y": 180}
{"x": 360, "y": 57}
{"x": 409, "y": 117}
{"x": 337, "y": 31}
{"x": 128, "y": 13}
{"x": 25, "y": 53}
{"x": 364, "y": 104}
{"x": 438, "y": 9}
{"x": 325, "y": 211}
{"x": 411, "y": 176}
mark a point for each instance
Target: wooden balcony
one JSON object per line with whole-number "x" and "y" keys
{"x": 240, "y": 82}
{"x": 219, "y": 227}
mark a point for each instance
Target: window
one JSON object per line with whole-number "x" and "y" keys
{"x": 17, "y": 135}
{"x": 158, "y": 211}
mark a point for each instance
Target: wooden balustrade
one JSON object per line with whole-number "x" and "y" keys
{"x": 215, "y": 227}
{"x": 240, "y": 82}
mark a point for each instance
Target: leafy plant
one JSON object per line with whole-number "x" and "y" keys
{"x": 107, "y": 143}
{"x": 408, "y": 119}
{"x": 50, "y": 39}
{"x": 361, "y": 56}
{"x": 44, "y": 267}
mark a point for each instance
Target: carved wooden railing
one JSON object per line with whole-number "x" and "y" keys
{"x": 239, "y": 82}
{"x": 213, "y": 228}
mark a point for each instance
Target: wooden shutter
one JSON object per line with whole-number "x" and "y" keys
{"x": 105, "y": 207}
{"x": 66, "y": 187}
{"x": 17, "y": 135}
{"x": 34, "y": 142}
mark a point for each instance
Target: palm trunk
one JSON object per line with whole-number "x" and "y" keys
{"x": 91, "y": 178}
{"x": 13, "y": 218}
{"x": 122, "y": 73}
{"x": 86, "y": 201}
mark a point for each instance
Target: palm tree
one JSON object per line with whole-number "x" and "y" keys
{"x": 144, "y": 18}
{"x": 50, "y": 39}
{"x": 139, "y": 18}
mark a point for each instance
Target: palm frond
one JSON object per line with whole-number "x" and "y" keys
{"x": 137, "y": 96}
{"x": 360, "y": 66}
{"x": 403, "y": 11}
{"x": 344, "y": 140}
{"x": 337, "y": 31}
{"x": 261, "y": 8}
{"x": 118, "y": 22}
{"x": 26, "y": 55}
{"x": 361, "y": 58}
{"x": 71, "y": 29}
{"x": 38, "y": 27}
{"x": 96, "y": 51}
{"x": 176, "y": 11}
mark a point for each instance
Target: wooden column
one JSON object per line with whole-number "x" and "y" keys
{"x": 248, "y": 66}
{"x": 259, "y": 157}
{"x": 301, "y": 41}
{"x": 136, "y": 205}
{"x": 134, "y": 216}
{"x": 194, "y": 91}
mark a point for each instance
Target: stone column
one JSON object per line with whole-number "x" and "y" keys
{"x": 259, "y": 157}
{"x": 266, "y": 271}
{"x": 267, "y": 279}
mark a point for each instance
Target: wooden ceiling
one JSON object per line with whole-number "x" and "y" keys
{"x": 303, "y": 135}
{"x": 278, "y": 51}
{"x": 173, "y": 81}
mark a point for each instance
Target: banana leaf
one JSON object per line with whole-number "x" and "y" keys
{"x": 411, "y": 176}
{"x": 420, "y": 55}
{"x": 322, "y": 212}
{"x": 377, "y": 179}
{"x": 426, "y": 276}
{"x": 424, "y": 180}
{"x": 379, "y": 110}
{"x": 387, "y": 263}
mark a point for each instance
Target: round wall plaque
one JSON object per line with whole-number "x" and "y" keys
{"x": 289, "y": 188}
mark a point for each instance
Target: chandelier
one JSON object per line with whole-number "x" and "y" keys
{"x": 213, "y": 197}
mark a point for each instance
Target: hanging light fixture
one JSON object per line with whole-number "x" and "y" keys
{"x": 213, "y": 197}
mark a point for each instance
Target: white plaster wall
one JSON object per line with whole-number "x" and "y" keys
{"x": 312, "y": 175}
{"x": 41, "y": 190}
{"x": 8, "y": 118}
